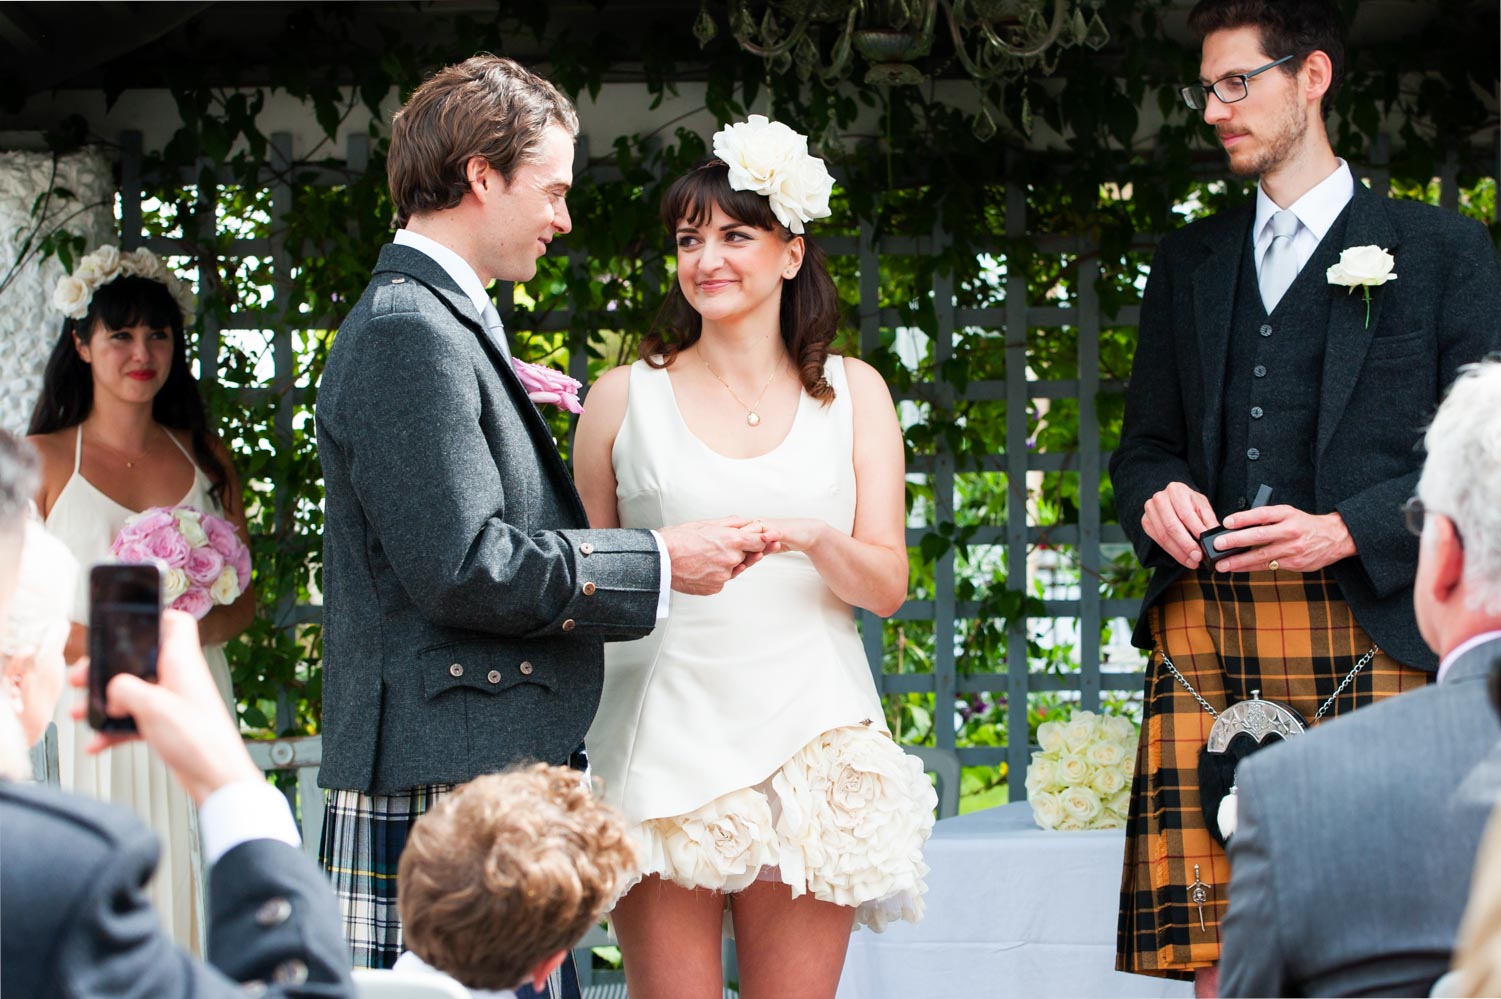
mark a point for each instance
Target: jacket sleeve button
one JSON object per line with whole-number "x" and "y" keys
{"x": 273, "y": 912}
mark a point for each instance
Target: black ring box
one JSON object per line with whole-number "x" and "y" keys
{"x": 1206, "y": 540}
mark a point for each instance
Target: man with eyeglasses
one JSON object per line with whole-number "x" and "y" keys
{"x": 1253, "y": 369}
{"x": 1354, "y": 844}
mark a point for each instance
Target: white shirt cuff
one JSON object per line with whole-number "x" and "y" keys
{"x": 664, "y": 588}
{"x": 240, "y": 812}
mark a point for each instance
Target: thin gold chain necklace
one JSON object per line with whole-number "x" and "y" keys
{"x": 130, "y": 462}
{"x": 752, "y": 418}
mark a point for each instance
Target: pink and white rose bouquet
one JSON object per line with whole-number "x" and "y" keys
{"x": 204, "y": 562}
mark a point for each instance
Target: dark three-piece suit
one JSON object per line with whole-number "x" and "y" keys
{"x": 1328, "y": 408}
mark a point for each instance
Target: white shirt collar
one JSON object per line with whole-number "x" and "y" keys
{"x": 411, "y": 964}
{"x": 456, "y": 266}
{"x": 1317, "y": 209}
{"x": 1462, "y": 648}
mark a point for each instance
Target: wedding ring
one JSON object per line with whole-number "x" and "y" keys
{"x": 1272, "y": 565}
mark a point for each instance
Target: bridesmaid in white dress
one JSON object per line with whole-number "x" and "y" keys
{"x": 120, "y": 427}
{"x": 744, "y": 739}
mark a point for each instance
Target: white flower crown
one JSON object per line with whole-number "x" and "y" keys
{"x": 772, "y": 160}
{"x": 75, "y": 291}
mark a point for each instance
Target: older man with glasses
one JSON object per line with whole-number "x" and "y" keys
{"x": 1294, "y": 346}
{"x": 1354, "y": 844}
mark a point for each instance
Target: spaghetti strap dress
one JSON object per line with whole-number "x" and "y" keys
{"x": 744, "y": 739}
{"x": 87, "y": 521}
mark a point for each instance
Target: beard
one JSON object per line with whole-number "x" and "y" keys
{"x": 1278, "y": 143}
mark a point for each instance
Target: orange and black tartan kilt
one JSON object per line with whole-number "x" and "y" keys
{"x": 1288, "y": 634}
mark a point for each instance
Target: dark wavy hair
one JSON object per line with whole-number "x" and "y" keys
{"x": 810, "y": 318}
{"x": 68, "y": 385}
{"x": 1287, "y": 28}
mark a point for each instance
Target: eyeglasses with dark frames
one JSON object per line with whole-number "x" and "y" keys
{"x": 1229, "y": 89}
{"x": 1414, "y": 513}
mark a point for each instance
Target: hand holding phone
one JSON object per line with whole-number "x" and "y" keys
{"x": 125, "y": 609}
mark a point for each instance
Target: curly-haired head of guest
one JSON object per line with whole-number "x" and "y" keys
{"x": 505, "y": 875}
{"x": 68, "y": 384}
{"x": 18, "y": 480}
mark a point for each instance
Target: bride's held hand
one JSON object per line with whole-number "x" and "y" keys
{"x": 801, "y": 534}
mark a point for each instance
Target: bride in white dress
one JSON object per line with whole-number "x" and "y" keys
{"x": 120, "y": 427}
{"x": 744, "y": 739}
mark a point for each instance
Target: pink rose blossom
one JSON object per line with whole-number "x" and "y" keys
{"x": 168, "y": 545}
{"x": 546, "y": 385}
{"x": 204, "y": 565}
{"x": 196, "y": 601}
{"x": 222, "y": 535}
{"x": 132, "y": 551}
{"x": 149, "y": 521}
{"x": 241, "y": 562}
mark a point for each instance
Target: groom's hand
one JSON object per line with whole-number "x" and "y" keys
{"x": 706, "y": 554}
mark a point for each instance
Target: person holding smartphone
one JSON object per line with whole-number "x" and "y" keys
{"x": 77, "y": 920}
{"x": 120, "y": 427}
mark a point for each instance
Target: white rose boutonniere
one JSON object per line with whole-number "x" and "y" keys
{"x": 1363, "y": 267}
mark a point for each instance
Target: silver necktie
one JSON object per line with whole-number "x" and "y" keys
{"x": 496, "y": 329}
{"x": 1279, "y": 268}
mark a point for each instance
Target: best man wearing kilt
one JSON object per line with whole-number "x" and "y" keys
{"x": 466, "y": 602}
{"x": 1253, "y": 368}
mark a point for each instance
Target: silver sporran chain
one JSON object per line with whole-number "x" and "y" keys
{"x": 1323, "y": 708}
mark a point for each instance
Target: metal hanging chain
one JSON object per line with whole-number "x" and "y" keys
{"x": 1323, "y": 709}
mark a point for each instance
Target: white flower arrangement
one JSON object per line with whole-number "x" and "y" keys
{"x": 1081, "y": 777}
{"x": 1363, "y": 267}
{"x": 772, "y": 160}
{"x": 75, "y": 291}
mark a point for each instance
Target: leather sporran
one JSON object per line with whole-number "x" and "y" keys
{"x": 1239, "y": 731}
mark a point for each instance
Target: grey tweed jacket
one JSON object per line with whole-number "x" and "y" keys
{"x": 466, "y": 602}
{"x": 1350, "y": 865}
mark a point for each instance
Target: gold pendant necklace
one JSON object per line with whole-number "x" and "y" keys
{"x": 752, "y": 418}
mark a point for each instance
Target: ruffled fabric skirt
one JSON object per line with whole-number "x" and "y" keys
{"x": 845, "y": 819}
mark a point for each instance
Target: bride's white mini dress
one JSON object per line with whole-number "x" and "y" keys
{"x": 744, "y": 738}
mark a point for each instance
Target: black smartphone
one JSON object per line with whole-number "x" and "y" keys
{"x": 125, "y": 621}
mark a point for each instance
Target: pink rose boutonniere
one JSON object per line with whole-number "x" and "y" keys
{"x": 204, "y": 563}
{"x": 546, "y": 385}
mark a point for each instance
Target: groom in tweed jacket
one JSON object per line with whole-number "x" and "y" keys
{"x": 467, "y": 602}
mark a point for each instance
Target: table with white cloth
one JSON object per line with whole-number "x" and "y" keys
{"x": 1012, "y": 910}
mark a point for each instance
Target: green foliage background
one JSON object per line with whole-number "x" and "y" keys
{"x": 926, "y": 170}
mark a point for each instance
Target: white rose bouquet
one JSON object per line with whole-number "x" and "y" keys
{"x": 1081, "y": 777}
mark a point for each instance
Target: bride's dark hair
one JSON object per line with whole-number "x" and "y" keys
{"x": 68, "y": 385}
{"x": 810, "y": 304}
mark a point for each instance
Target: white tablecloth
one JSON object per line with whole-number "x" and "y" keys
{"x": 1012, "y": 910}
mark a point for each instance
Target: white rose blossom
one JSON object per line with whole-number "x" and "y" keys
{"x": 226, "y": 588}
{"x": 1080, "y": 731}
{"x": 1363, "y": 267}
{"x": 71, "y": 297}
{"x": 1073, "y": 770}
{"x": 190, "y": 525}
{"x": 1047, "y": 809}
{"x": 1081, "y": 803}
{"x": 770, "y": 159}
{"x": 1108, "y": 781}
{"x": 1119, "y": 729}
{"x": 1105, "y": 753}
{"x": 174, "y": 584}
{"x": 1050, "y": 737}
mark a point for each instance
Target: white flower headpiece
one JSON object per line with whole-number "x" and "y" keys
{"x": 772, "y": 160}
{"x": 75, "y": 291}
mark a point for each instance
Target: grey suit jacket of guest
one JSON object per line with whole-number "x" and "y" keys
{"x": 1379, "y": 388}
{"x": 466, "y": 602}
{"x": 1351, "y": 861}
{"x": 77, "y": 922}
